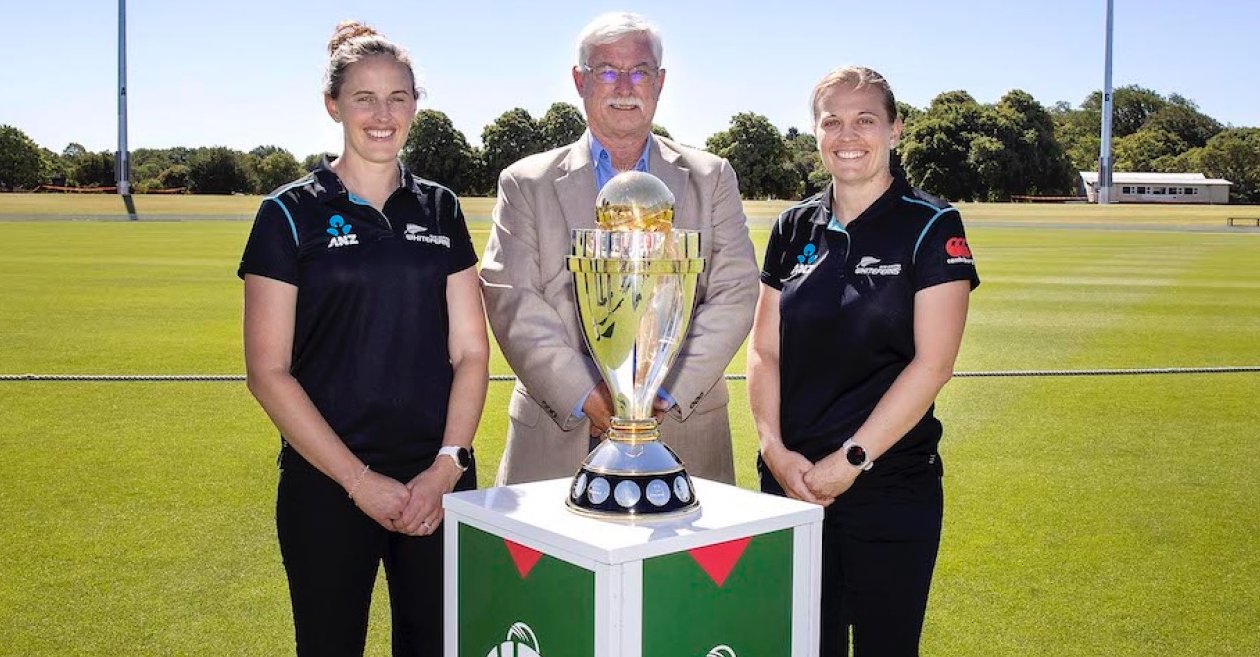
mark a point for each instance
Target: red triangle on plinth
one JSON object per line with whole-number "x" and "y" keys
{"x": 523, "y": 557}
{"x": 719, "y": 560}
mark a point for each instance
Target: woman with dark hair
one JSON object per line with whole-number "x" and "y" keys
{"x": 365, "y": 343}
{"x": 861, "y": 313}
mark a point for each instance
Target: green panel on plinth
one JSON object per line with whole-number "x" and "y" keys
{"x": 518, "y": 602}
{"x": 736, "y": 595}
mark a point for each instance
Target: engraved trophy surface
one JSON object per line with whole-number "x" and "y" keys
{"x": 634, "y": 277}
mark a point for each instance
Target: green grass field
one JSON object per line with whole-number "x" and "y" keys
{"x": 26, "y": 206}
{"x": 1085, "y": 515}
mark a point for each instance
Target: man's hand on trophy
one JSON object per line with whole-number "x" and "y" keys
{"x": 660, "y": 407}
{"x": 598, "y": 409}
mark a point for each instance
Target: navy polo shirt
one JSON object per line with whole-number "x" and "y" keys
{"x": 847, "y": 312}
{"x": 370, "y": 335}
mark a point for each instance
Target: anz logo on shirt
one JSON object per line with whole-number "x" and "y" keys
{"x": 340, "y": 231}
{"x": 806, "y": 261}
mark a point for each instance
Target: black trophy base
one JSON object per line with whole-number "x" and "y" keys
{"x": 632, "y": 496}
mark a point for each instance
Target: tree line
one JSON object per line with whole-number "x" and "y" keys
{"x": 956, "y": 147}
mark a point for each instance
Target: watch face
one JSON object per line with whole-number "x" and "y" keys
{"x": 461, "y": 455}
{"x": 855, "y": 455}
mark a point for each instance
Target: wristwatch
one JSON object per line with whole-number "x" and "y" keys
{"x": 460, "y": 455}
{"x": 856, "y": 455}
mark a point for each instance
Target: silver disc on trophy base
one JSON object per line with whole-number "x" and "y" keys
{"x": 637, "y": 480}
{"x": 634, "y": 278}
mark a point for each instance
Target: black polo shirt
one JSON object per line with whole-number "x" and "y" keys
{"x": 370, "y": 336}
{"x": 847, "y": 312}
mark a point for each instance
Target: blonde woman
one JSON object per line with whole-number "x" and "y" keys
{"x": 861, "y": 313}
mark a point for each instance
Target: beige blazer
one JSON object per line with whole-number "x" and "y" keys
{"x": 530, "y": 304}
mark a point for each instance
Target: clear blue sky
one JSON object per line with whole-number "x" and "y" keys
{"x": 243, "y": 73}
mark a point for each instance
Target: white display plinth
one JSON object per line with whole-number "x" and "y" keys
{"x": 526, "y": 576}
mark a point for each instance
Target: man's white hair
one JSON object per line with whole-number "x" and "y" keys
{"x": 613, "y": 27}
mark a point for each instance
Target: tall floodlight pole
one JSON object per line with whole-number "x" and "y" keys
{"x": 122, "y": 163}
{"x": 1104, "y": 158}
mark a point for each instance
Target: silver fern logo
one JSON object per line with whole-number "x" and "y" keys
{"x": 418, "y": 233}
{"x": 722, "y": 651}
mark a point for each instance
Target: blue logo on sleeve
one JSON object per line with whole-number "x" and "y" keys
{"x": 340, "y": 231}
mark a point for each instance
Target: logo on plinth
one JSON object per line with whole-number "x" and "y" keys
{"x": 520, "y": 642}
{"x": 722, "y": 651}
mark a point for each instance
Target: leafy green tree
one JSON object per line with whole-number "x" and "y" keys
{"x": 218, "y": 170}
{"x": 803, "y": 157}
{"x": 1134, "y": 108}
{"x": 1077, "y": 132}
{"x": 173, "y": 177}
{"x": 22, "y": 162}
{"x": 311, "y": 161}
{"x": 660, "y": 131}
{"x": 1184, "y": 120}
{"x": 1034, "y": 161}
{"x": 438, "y": 151}
{"x": 157, "y": 158}
{"x": 756, "y": 151}
{"x": 1149, "y": 132}
{"x": 990, "y": 163}
{"x": 908, "y": 113}
{"x": 276, "y": 169}
{"x": 55, "y": 168}
{"x": 1142, "y": 149}
{"x": 1131, "y": 107}
{"x": 178, "y": 154}
{"x": 509, "y": 138}
{"x": 144, "y": 177}
{"x": 95, "y": 170}
{"x": 73, "y": 150}
{"x": 261, "y": 152}
{"x": 957, "y": 97}
{"x": 963, "y": 150}
{"x": 481, "y": 181}
{"x": 145, "y": 171}
{"x": 936, "y": 149}
{"x": 1234, "y": 154}
{"x": 561, "y": 125}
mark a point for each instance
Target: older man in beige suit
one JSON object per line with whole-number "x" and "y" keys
{"x": 560, "y": 406}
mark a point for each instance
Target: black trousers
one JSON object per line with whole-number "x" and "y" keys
{"x": 880, "y": 540}
{"x": 331, "y": 552}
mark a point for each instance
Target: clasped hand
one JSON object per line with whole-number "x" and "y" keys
{"x": 414, "y": 508}
{"x": 819, "y": 483}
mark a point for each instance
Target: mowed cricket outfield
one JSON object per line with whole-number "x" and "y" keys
{"x": 1111, "y": 514}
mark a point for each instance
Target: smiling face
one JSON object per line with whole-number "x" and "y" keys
{"x": 855, "y": 135}
{"x": 620, "y": 111}
{"x": 375, "y": 106}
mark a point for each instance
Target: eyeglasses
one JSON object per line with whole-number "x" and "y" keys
{"x": 610, "y": 74}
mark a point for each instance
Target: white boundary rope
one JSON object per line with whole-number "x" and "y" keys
{"x": 1143, "y": 371}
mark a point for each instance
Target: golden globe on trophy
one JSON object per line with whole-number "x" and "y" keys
{"x": 635, "y": 281}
